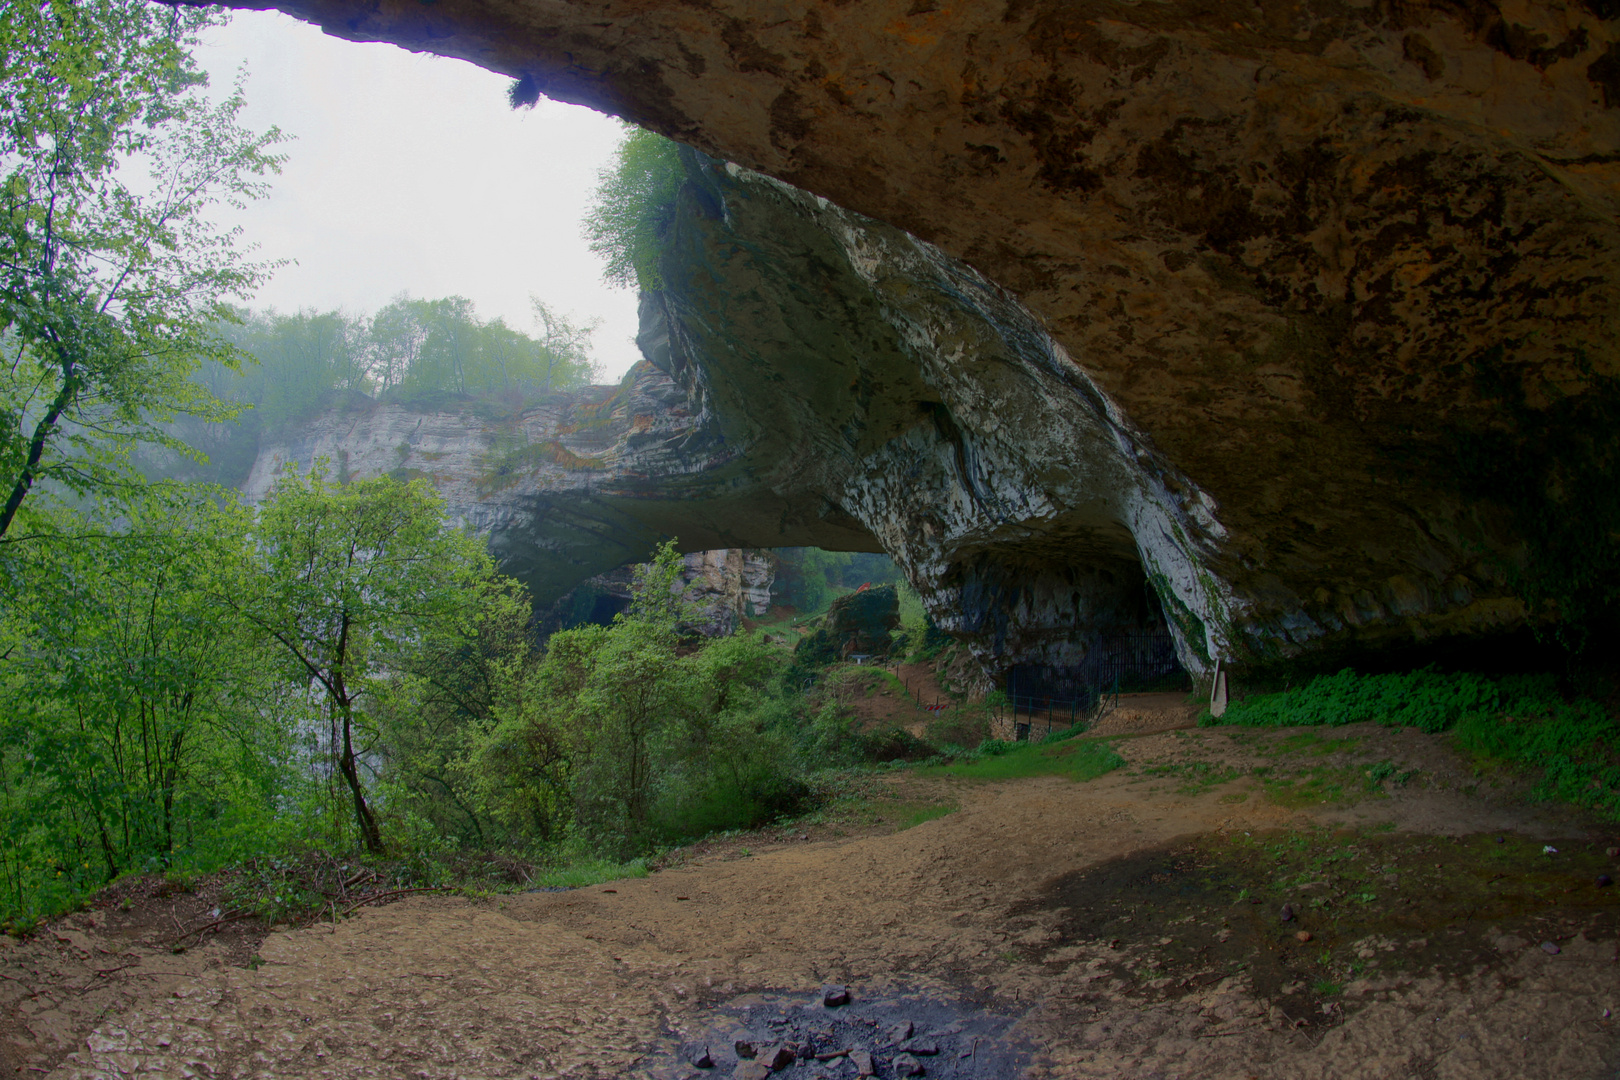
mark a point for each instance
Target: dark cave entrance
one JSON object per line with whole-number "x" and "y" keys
{"x": 1125, "y": 662}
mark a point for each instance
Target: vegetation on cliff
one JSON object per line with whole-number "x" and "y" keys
{"x": 635, "y": 207}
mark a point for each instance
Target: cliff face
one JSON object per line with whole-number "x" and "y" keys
{"x": 1304, "y": 313}
{"x": 573, "y": 487}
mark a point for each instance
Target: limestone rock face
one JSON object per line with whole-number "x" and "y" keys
{"x": 576, "y": 486}
{"x": 817, "y": 378}
{"x": 727, "y": 585}
{"x": 721, "y": 587}
{"x": 1304, "y": 313}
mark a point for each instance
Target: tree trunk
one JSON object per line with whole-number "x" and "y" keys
{"x": 347, "y": 765}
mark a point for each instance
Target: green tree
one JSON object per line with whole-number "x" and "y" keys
{"x": 351, "y": 579}
{"x": 129, "y": 695}
{"x": 634, "y": 207}
{"x": 111, "y": 274}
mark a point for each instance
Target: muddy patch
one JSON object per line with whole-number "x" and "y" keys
{"x": 843, "y": 1033}
{"x": 1300, "y": 916}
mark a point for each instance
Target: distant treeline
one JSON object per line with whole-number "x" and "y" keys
{"x": 419, "y": 352}
{"x": 410, "y": 349}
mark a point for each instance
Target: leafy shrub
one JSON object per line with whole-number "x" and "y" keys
{"x": 634, "y": 208}
{"x": 1426, "y": 699}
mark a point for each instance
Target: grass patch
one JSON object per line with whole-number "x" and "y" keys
{"x": 1077, "y": 759}
{"x": 926, "y": 813}
{"x": 1196, "y": 777}
{"x": 593, "y": 871}
{"x": 1521, "y": 720}
{"x": 1313, "y": 787}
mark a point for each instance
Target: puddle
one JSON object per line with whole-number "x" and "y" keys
{"x": 1362, "y": 905}
{"x": 950, "y": 1040}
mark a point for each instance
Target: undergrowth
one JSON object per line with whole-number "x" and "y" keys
{"x": 1057, "y": 755}
{"x": 1522, "y": 720}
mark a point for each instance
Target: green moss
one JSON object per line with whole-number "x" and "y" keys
{"x": 1186, "y": 620}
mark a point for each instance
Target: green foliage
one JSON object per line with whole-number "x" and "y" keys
{"x": 348, "y": 578}
{"x": 111, "y": 275}
{"x": 634, "y": 207}
{"x": 143, "y": 726}
{"x": 1522, "y": 720}
{"x": 1426, "y": 699}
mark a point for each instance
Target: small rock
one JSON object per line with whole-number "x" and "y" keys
{"x": 1604, "y": 881}
{"x": 1548, "y": 849}
{"x": 902, "y": 1031}
{"x": 863, "y": 1063}
{"x": 1501, "y": 839}
{"x": 1613, "y": 853}
{"x": 1303, "y": 935}
{"x": 1287, "y": 913}
{"x": 701, "y": 1058}
{"x": 834, "y": 996}
{"x": 921, "y": 1047}
{"x": 776, "y": 1057}
{"x": 746, "y": 1046}
{"x": 906, "y": 1065}
{"x": 1550, "y": 949}
{"x": 750, "y": 1070}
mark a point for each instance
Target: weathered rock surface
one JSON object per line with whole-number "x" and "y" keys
{"x": 720, "y": 587}
{"x": 1341, "y": 278}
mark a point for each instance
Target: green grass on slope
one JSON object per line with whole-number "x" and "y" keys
{"x": 1078, "y": 759}
{"x": 590, "y": 871}
{"x": 1522, "y": 720}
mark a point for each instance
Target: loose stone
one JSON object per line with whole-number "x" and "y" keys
{"x": 1303, "y": 935}
{"x": 776, "y": 1057}
{"x": 745, "y": 1046}
{"x": 834, "y": 996}
{"x": 1550, "y": 949}
{"x": 701, "y": 1058}
{"x": 906, "y": 1065}
{"x": 750, "y": 1070}
{"x": 863, "y": 1063}
{"x": 1287, "y": 913}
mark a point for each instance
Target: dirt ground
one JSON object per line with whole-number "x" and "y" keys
{"x": 1128, "y": 927}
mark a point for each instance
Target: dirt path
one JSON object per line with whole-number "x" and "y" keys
{"x": 1004, "y": 904}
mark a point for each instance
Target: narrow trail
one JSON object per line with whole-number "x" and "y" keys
{"x": 969, "y": 907}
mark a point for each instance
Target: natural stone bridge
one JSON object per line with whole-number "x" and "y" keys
{"x": 1295, "y": 322}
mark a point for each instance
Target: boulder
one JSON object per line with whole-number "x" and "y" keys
{"x": 857, "y": 624}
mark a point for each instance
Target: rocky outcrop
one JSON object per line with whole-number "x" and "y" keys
{"x": 720, "y": 588}
{"x": 726, "y": 586}
{"x": 857, "y": 626}
{"x": 1303, "y": 313}
{"x": 819, "y": 379}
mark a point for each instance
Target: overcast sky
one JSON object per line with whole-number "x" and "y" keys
{"x": 410, "y": 173}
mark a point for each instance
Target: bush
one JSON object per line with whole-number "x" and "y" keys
{"x": 1425, "y": 699}
{"x": 634, "y": 208}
